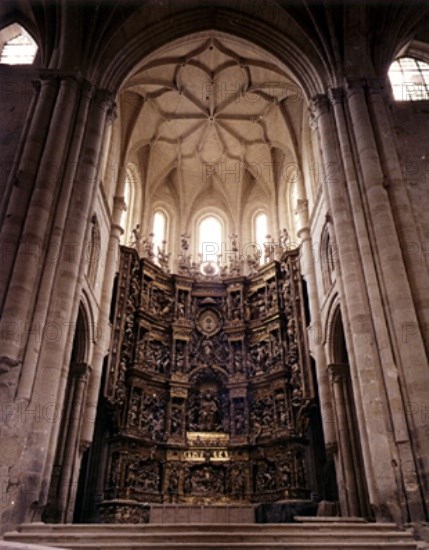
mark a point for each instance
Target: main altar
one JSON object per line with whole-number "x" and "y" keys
{"x": 208, "y": 388}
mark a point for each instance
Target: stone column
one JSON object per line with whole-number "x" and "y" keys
{"x": 54, "y": 247}
{"x": 24, "y": 176}
{"x": 71, "y": 426}
{"x": 389, "y": 371}
{"x": 102, "y": 346}
{"x": 417, "y": 269}
{"x": 25, "y": 276}
{"x": 315, "y": 332}
{"x": 365, "y": 366}
{"x": 69, "y": 276}
{"x": 52, "y": 369}
{"x": 338, "y": 373}
{"x": 411, "y": 358}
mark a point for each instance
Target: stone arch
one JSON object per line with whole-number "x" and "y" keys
{"x": 299, "y": 53}
{"x": 62, "y": 491}
{"x": 353, "y": 492}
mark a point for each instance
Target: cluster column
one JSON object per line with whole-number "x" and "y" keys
{"x": 369, "y": 393}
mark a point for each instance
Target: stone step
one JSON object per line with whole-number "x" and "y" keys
{"x": 320, "y": 525}
{"x": 213, "y": 537}
{"x": 313, "y": 534}
{"x": 201, "y": 545}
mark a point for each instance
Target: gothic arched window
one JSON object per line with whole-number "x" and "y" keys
{"x": 260, "y": 232}
{"x": 409, "y": 78}
{"x": 210, "y": 238}
{"x": 159, "y": 230}
{"x": 17, "y": 46}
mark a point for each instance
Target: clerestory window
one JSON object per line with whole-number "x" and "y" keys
{"x": 409, "y": 78}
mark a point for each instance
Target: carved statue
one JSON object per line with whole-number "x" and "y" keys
{"x": 284, "y": 239}
{"x": 208, "y": 410}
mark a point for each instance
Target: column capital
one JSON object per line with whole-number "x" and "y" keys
{"x": 319, "y": 105}
{"x": 376, "y": 86}
{"x": 336, "y": 95}
{"x": 354, "y": 86}
{"x": 104, "y": 98}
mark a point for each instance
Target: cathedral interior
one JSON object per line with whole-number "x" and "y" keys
{"x": 214, "y": 280}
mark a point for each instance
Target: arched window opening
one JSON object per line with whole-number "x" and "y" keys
{"x": 261, "y": 232}
{"x": 159, "y": 230}
{"x": 94, "y": 251}
{"x": 17, "y": 46}
{"x": 210, "y": 238}
{"x": 409, "y": 78}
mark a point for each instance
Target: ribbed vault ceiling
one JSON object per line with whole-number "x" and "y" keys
{"x": 209, "y": 120}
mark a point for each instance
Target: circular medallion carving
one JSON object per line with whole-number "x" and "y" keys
{"x": 209, "y": 322}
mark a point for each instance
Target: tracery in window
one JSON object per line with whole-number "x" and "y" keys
{"x": 18, "y": 47}
{"x": 125, "y": 222}
{"x": 409, "y": 78}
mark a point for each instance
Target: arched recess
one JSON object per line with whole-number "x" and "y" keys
{"x": 352, "y": 487}
{"x": 62, "y": 491}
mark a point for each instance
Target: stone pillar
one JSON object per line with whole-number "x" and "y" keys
{"x": 71, "y": 422}
{"x": 411, "y": 358}
{"x": 23, "y": 178}
{"x": 68, "y": 282}
{"x": 55, "y": 242}
{"x": 405, "y": 223}
{"x": 364, "y": 362}
{"x": 350, "y": 489}
{"x": 389, "y": 371}
{"x": 315, "y": 332}
{"x": 34, "y": 471}
{"x": 102, "y": 346}
{"x": 24, "y": 281}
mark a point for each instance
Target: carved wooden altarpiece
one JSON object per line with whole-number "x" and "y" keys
{"x": 208, "y": 388}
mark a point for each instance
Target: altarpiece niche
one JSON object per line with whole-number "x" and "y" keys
{"x": 208, "y": 389}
